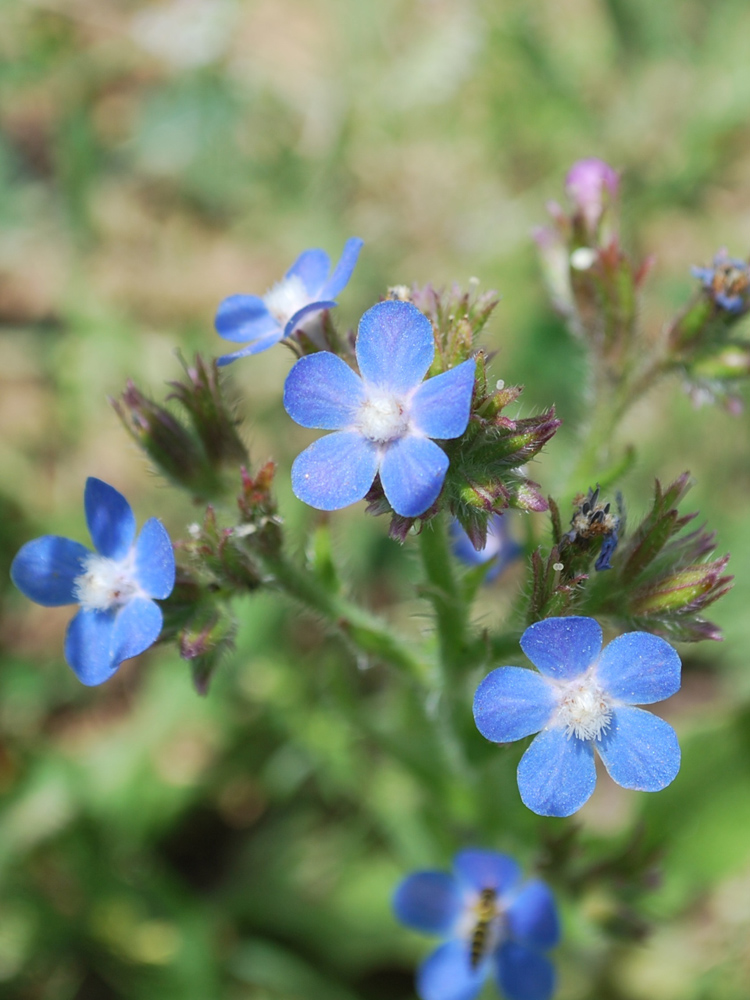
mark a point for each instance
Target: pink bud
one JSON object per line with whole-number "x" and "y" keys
{"x": 591, "y": 184}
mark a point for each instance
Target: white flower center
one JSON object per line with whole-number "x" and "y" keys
{"x": 285, "y": 298}
{"x": 584, "y": 709}
{"x": 383, "y": 418}
{"x": 106, "y": 583}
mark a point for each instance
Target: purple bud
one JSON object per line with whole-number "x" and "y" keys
{"x": 591, "y": 185}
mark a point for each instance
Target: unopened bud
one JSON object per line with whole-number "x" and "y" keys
{"x": 592, "y": 185}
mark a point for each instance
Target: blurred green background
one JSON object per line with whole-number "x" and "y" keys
{"x": 155, "y": 158}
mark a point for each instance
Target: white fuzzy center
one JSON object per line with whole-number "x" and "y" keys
{"x": 383, "y": 418}
{"x": 286, "y": 298}
{"x": 105, "y": 584}
{"x": 584, "y": 709}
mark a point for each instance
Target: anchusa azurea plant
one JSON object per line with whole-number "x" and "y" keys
{"x": 419, "y": 425}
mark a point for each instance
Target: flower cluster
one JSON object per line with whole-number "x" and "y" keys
{"x": 580, "y": 699}
{"x": 116, "y": 586}
{"x": 727, "y": 282}
{"x": 493, "y": 923}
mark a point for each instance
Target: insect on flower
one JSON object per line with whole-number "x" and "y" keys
{"x": 493, "y": 924}
{"x": 115, "y": 586}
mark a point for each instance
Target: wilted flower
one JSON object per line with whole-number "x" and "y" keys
{"x": 727, "y": 282}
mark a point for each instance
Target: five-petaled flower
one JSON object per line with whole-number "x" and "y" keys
{"x": 492, "y": 922}
{"x": 727, "y": 282}
{"x": 384, "y": 420}
{"x": 500, "y": 550}
{"x": 582, "y": 699}
{"x": 114, "y": 586}
{"x": 305, "y": 289}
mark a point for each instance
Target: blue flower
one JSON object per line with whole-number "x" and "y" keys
{"x": 305, "y": 289}
{"x": 727, "y": 282}
{"x": 492, "y": 923}
{"x": 582, "y": 699}
{"x": 114, "y": 586}
{"x": 382, "y": 421}
{"x": 500, "y": 549}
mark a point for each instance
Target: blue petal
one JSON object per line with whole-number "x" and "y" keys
{"x": 441, "y": 405}
{"x": 562, "y": 647}
{"x": 45, "y": 568}
{"x": 311, "y": 267}
{"x": 110, "y": 519}
{"x": 335, "y": 471}
{"x": 500, "y": 549}
{"x": 154, "y": 560}
{"x": 88, "y": 646}
{"x": 137, "y": 626}
{"x": 533, "y": 918}
{"x": 609, "y": 544}
{"x": 412, "y": 471}
{"x": 486, "y": 870}
{"x": 257, "y": 346}
{"x": 556, "y": 774}
{"x": 704, "y": 274}
{"x": 639, "y": 669}
{"x": 640, "y": 750}
{"x": 429, "y": 902}
{"x": 296, "y": 321}
{"x": 523, "y": 974}
{"x": 321, "y": 390}
{"x": 395, "y": 346}
{"x": 447, "y": 974}
{"x": 340, "y": 277}
{"x": 511, "y": 703}
{"x": 244, "y": 317}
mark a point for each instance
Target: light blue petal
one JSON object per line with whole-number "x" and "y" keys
{"x": 45, "y": 568}
{"x": 257, "y": 347}
{"x": 441, "y": 405}
{"x": 88, "y": 646}
{"x": 137, "y": 626}
{"x": 532, "y": 917}
{"x": 486, "y": 870}
{"x": 335, "y": 471}
{"x": 511, "y": 703}
{"x": 523, "y": 974}
{"x": 244, "y": 317}
{"x": 447, "y": 974}
{"x": 412, "y": 471}
{"x": 322, "y": 391}
{"x": 296, "y": 321}
{"x": 556, "y": 775}
{"x": 639, "y": 669}
{"x": 429, "y": 902}
{"x": 110, "y": 519}
{"x": 562, "y": 647}
{"x": 311, "y": 267}
{"x": 154, "y": 560}
{"x": 501, "y": 549}
{"x": 640, "y": 750}
{"x": 340, "y": 277}
{"x": 395, "y": 346}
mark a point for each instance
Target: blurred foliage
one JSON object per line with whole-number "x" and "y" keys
{"x": 155, "y": 158}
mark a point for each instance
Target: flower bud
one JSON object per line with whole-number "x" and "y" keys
{"x": 690, "y": 588}
{"x": 592, "y": 186}
{"x": 208, "y": 635}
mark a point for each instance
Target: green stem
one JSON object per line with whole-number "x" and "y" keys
{"x": 445, "y": 593}
{"x": 364, "y": 632}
